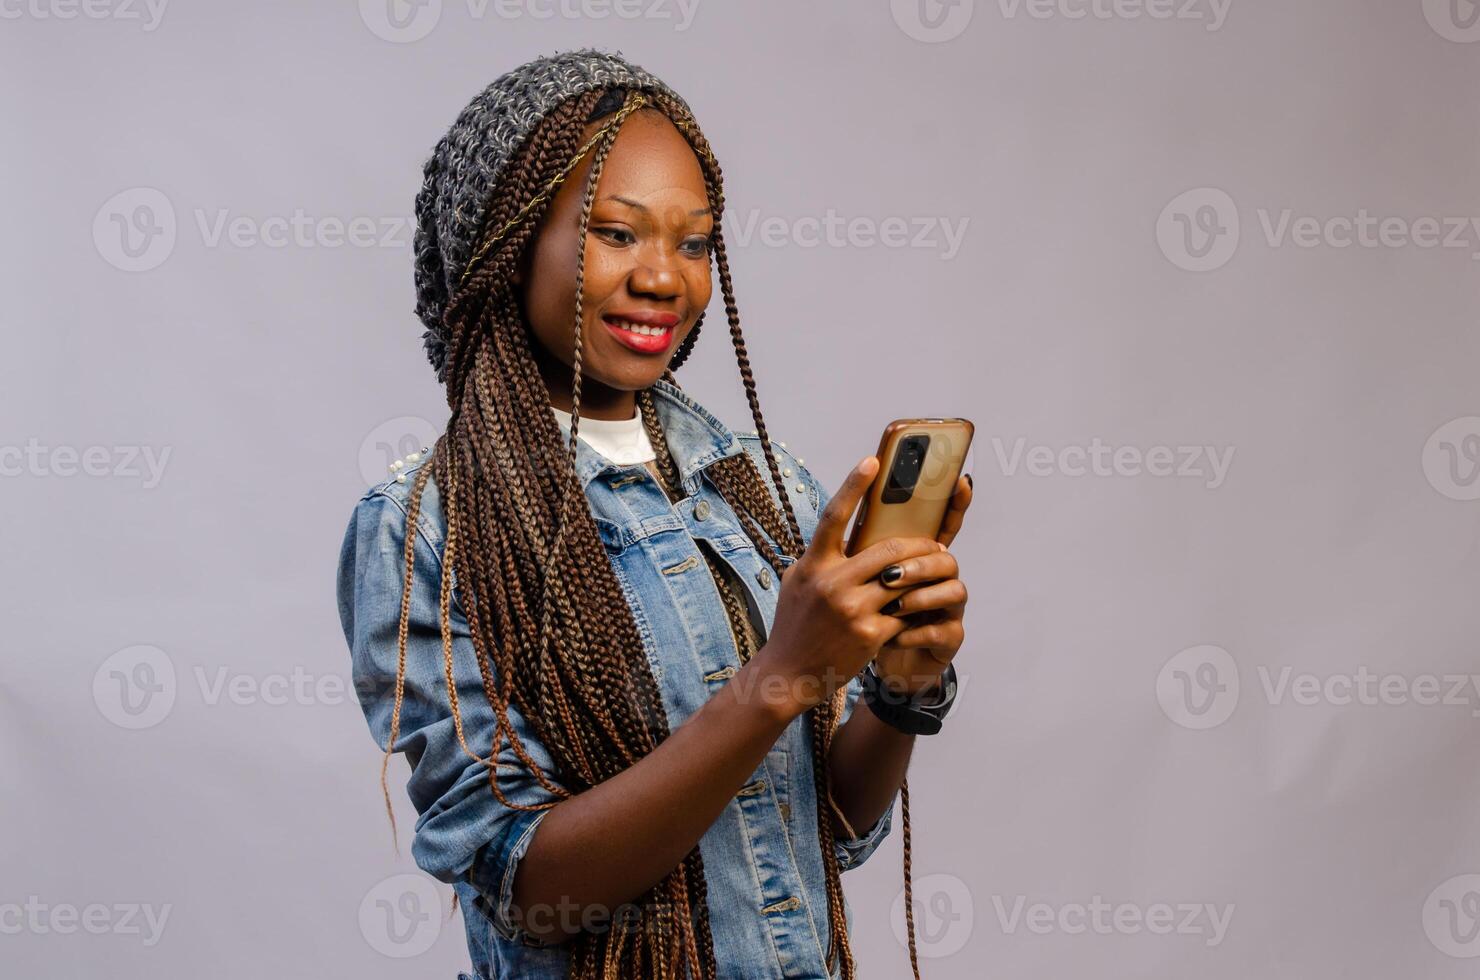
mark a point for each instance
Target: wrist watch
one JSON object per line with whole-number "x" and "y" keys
{"x": 918, "y": 715}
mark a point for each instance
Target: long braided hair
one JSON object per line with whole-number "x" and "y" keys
{"x": 550, "y": 626}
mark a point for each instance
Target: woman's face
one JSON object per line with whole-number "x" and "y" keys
{"x": 647, "y": 266}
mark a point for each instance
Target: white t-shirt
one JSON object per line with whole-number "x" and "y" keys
{"x": 623, "y": 441}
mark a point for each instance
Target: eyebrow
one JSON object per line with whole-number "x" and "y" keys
{"x": 644, "y": 208}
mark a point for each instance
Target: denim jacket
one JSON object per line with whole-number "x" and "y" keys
{"x": 762, "y": 856}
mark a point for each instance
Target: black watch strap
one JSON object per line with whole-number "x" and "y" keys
{"x": 914, "y": 716}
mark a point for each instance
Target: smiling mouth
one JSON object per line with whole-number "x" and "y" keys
{"x": 641, "y": 337}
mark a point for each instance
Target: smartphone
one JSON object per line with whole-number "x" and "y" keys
{"x": 920, "y": 462}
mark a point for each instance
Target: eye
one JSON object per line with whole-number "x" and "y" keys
{"x": 615, "y": 235}
{"x": 698, "y": 246}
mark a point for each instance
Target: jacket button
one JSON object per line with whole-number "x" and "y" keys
{"x": 701, "y": 510}
{"x": 787, "y": 905}
{"x": 764, "y": 577}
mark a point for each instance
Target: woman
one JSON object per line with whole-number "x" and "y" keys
{"x": 620, "y": 674}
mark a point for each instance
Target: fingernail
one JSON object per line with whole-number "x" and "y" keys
{"x": 890, "y": 608}
{"x": 891, "y": 574}
{"x": 970, "y": 482}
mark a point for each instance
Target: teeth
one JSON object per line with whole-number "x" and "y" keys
{"x": 639, "y": 328}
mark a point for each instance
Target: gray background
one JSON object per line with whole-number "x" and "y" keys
{"x": 1155, "y": 708}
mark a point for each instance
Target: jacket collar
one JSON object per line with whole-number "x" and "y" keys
{"x": 695, "y": 439}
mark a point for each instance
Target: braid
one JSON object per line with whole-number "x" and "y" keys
{"x": 551, "y": 629}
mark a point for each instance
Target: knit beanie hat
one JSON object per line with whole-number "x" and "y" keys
{"x": 459, "y": 177}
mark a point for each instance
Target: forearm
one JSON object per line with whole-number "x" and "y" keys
{"x": 868, "y": 760}
{"x": 608, "y": 845}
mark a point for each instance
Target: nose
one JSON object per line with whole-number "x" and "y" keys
{"x": 656, "y": 275}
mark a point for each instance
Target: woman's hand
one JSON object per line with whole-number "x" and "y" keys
{"x": 912, "y": 661}
{"x": 829, "y": 620}
{"x": 828, "y": 623}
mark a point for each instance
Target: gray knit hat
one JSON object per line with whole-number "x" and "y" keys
{"x": 462, "y": 171}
